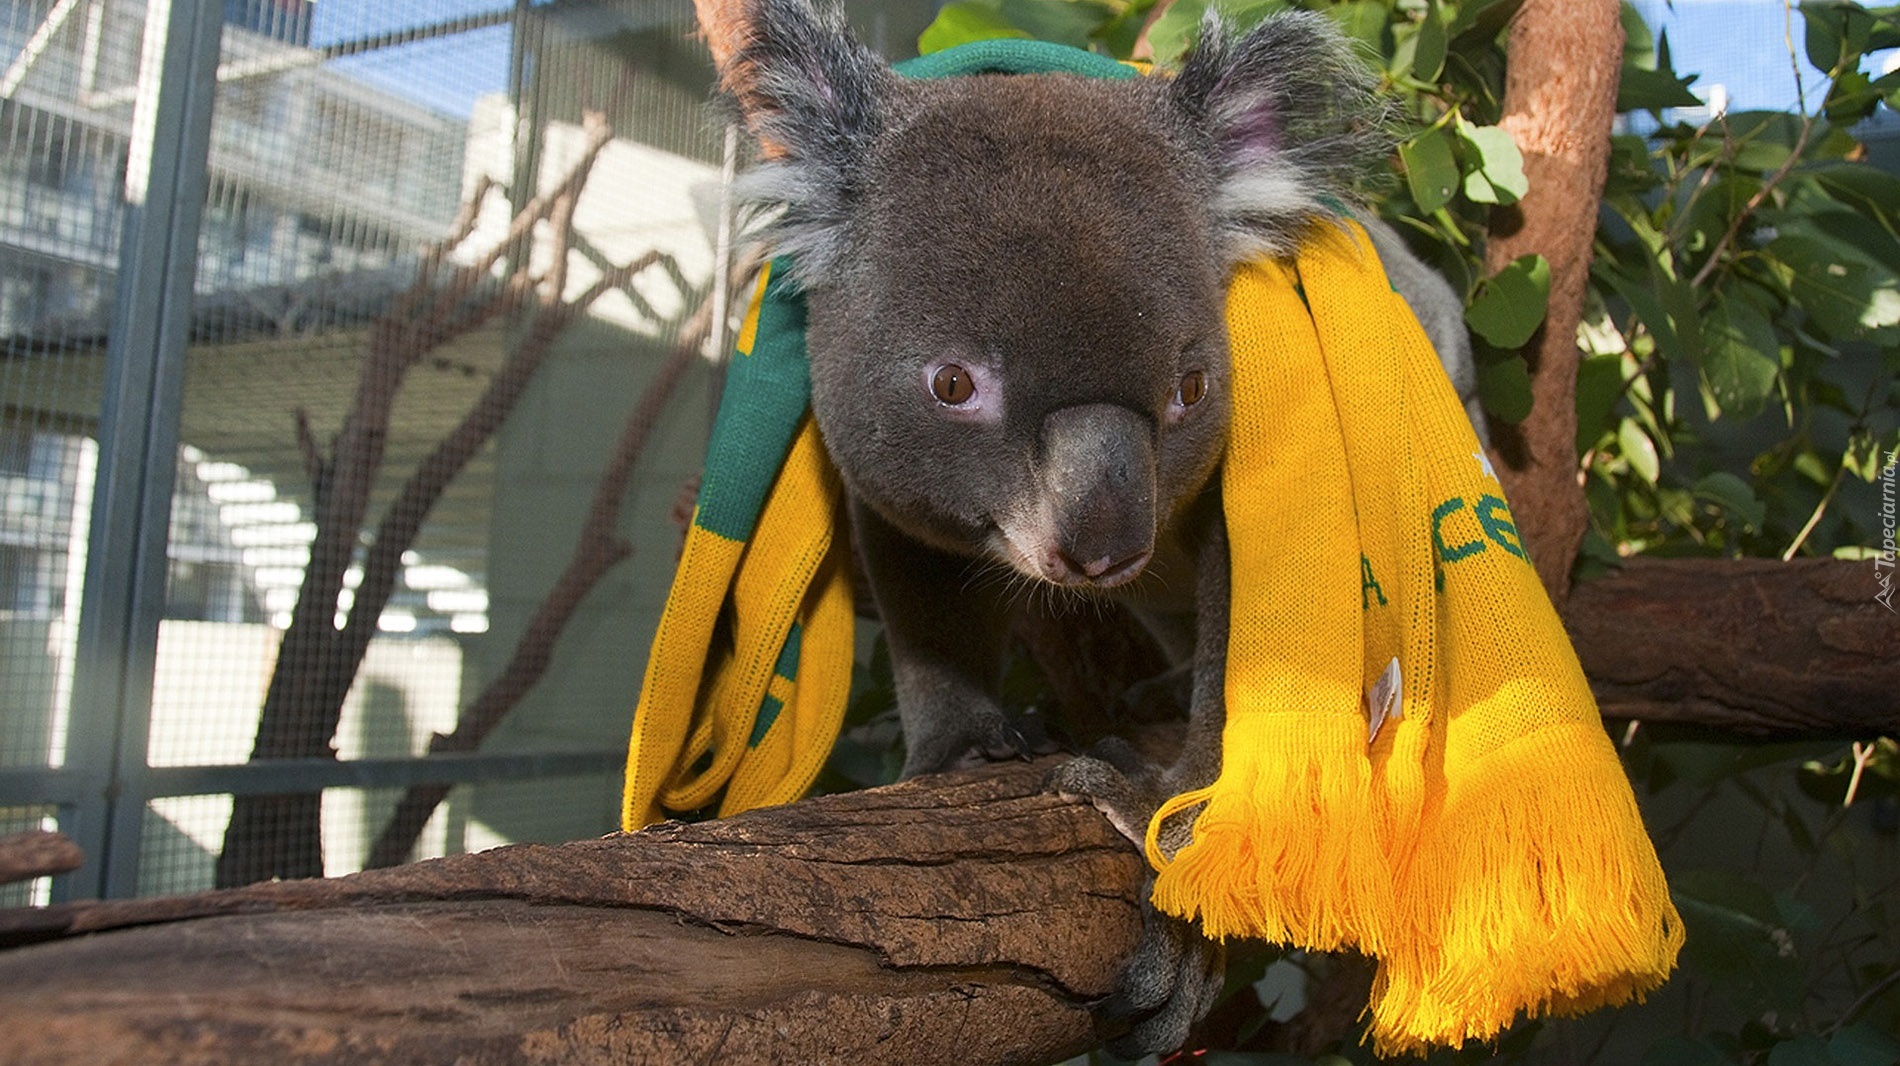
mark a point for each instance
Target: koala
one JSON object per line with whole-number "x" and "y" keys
{"x": 1015, "y": 292}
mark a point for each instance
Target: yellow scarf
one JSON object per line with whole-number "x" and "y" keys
{"x": 1480, "y": 841}
{"x": 1413, "y": 765}
{"x": 746, "y": 682}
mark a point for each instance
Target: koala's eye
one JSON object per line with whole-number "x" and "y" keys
{"x": 951, "y": 385}
{"x": 1192, "y": 390}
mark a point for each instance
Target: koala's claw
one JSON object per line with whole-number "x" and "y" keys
{"x": 1002, "y": 743}
{"x": 1119, "y": 782}
{"x": 1107, "y": 788}
{"x": 987, "y": 742}
{"x": 1176, "y": 974}
{"x": 1173, "y": 981}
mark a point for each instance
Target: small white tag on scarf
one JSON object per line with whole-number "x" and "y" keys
{"x": 1385, "y": 700}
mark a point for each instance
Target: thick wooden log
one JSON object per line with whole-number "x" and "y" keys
{"x": 962, "y": 919}
{"x": 967, "y": 918}
{"x": 1749, "y": 646}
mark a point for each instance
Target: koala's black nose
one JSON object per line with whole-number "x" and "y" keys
{"x": 1098, "y": 481}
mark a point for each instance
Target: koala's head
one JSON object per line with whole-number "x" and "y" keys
{"x": 1015, "y": 283}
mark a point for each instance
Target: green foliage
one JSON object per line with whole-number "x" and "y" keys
{"x": 1747, "y": 284}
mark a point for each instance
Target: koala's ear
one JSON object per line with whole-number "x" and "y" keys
{"x": 815, "y": 98}
{"x": 1293, "y": 119}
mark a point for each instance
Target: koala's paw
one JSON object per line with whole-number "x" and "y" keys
{"x": 1172, "y": 982}
{"x": 1116, "y": 781}
{"x": 980, "y": 739}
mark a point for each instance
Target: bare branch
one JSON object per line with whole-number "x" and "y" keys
{"x": 314, "y": 465}
{"x": 37, "y": 853}
{"x": 596, "y": 551}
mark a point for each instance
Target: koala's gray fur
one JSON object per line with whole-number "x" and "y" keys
{"x": 1065, "y": 242}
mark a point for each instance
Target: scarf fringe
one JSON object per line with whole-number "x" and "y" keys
{"x": 1525, "y": 897}
{"x": 1286, "y": 847}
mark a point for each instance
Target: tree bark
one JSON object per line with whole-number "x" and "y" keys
{"x": 37, "y": 853}
{"x": 1750, "y": 646}
{"x": 967, "y": 918}
{"x": 1559, "y": 104}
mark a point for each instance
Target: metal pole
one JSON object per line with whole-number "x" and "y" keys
{"x": 165, "y": 186}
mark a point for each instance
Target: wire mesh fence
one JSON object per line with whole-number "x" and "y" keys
{"x": 404, "y": 558}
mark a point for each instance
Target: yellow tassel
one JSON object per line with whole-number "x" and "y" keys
{"x": 1285, "y": 848}
{"x": 1536, "y": 892}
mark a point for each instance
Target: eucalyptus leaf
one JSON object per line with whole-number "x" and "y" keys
{"x": 1861, "y": 1044}
{"x": 1638, "y": 450}
{"x": 1822, "y": 38}
{"x": 1510, "y": 305}
{"x": 1639, "y": 45}
{"x": 1431, "y": 171}
{"x": 1740, "y": 358}
{"x": 1120, "y": 33}
{"x": 1803, "y": 1050}
{"x": 1642, "y": 89}
{"x": 1647, "y": 308}
{"x": 1363, "y": 21}
{"x": 1849, "y": 295}
{"x": 1176, "y": 30}
{"x": 1853, "y": 96}
{"x": 1734, "y": 496}
{"x": 1734, "y": 942}
{"x": 1679, "y": 300}
{"x": 1762, "y": 140}
{"x": 1599, "y": 385}
{"x": 963, "y": 22}
{"x": 1483, "y": 18}
{"x": 1504, "y": 387}
{"x": 1837, "y": 33}
{"x": 1071, "y": 22}
{"x": 1428, "y": 55}
{"x": 1495, "y": 167}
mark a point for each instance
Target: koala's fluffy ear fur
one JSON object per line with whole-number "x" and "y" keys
{"x": 814, "y": 97}
{"x": 1294, "y": 120}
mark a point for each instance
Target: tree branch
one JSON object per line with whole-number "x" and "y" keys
{"x": 966, "y": 919}
{"x": 1751, "y": 646}
{"x": 279, "y": 835}
{"x": 37, "y": 853}
{"x": 596, "y": 551}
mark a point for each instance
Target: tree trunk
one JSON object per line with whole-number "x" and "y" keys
{"x": 1559, "y": 104}
{"x": 967, "y": 918}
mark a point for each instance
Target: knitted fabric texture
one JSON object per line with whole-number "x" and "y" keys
{"x": 1412, "y": 765}
{"x": 750, "y": 666}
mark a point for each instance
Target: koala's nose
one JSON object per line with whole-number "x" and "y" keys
{"x": 1099, "y": 483}
{"x": 1108, "y": 570}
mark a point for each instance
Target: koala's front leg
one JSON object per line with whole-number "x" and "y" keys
{"x": 946, "y": 626}
{"x": 1176, "y": 972}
